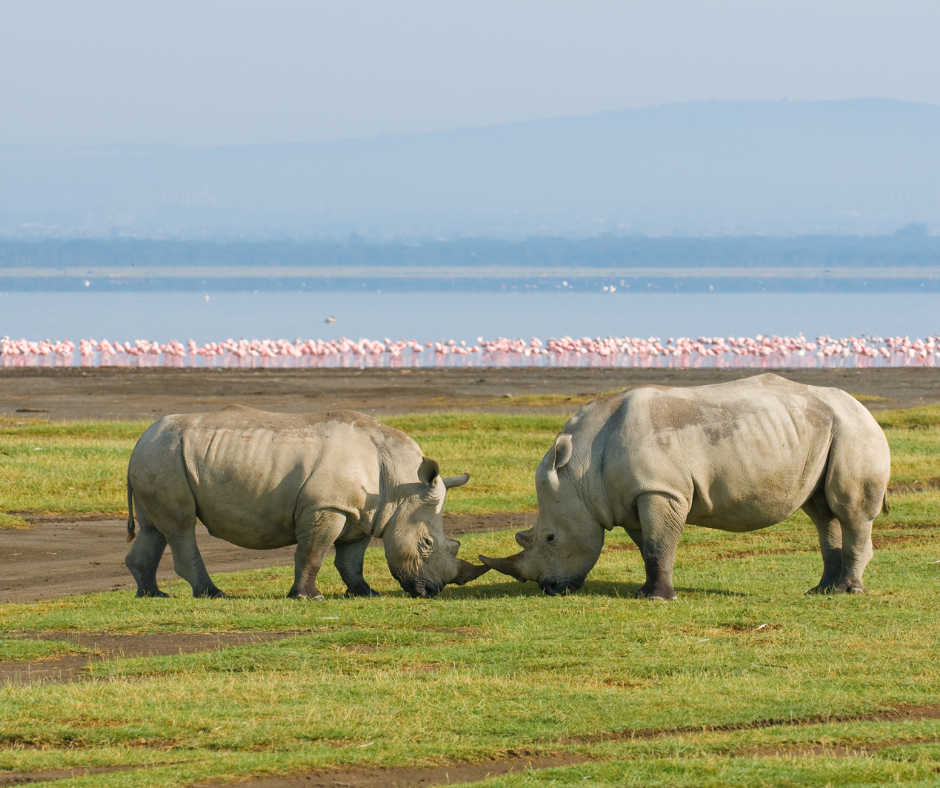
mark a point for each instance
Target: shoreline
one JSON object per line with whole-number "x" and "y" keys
{"x": 130, "y": 393}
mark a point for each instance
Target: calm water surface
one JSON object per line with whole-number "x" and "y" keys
{"x": 461, "y": 316}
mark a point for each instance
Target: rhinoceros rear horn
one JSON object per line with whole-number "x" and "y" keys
{"x": 508, "y": 566}
{"x": 467, "y": 572}
{"x": 456, "y": 481}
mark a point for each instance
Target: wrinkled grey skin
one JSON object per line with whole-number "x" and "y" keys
{"x": 267, "y": 480}
{"x": 734, "y": 456}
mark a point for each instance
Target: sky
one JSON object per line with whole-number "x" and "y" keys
{"x": 229, "y": 72}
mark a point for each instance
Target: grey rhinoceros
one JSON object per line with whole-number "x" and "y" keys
{"x": 266, "y": 480}
{"x": 734, "y": 456}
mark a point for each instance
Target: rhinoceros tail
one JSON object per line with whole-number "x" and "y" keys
{"x": 885, "y": 508}
{"x": 130, "y": 512}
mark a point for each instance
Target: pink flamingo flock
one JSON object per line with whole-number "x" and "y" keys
{"x": 761, "y": 351}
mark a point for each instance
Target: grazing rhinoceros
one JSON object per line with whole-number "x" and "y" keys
{"x": 735, "y": 456}
{"x": 266, "y": 480}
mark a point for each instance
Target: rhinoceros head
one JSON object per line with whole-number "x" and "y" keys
{"x": 566, "y": 540}
{"x": 420, "y": 556}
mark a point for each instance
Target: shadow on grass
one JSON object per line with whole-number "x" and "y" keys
{"x": 600, "y": 589}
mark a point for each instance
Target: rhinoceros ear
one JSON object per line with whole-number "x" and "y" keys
{"x": 563, "y": 451}
{"x": 428, "y": 471}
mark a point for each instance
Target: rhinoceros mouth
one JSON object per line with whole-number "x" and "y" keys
{"x": 560, "y": 587}
{"x": 417, "y": 587}
{"x": 423, "y": 589}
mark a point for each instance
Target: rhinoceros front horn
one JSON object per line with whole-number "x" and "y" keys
{"x": 508, "y": 566}
{"x": 456, "y": 481}
{"x": 467, "y": 572}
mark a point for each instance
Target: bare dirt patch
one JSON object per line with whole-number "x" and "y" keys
{"x": 58, "y": 557}
{"x": 896, "y": 714}
{"x": 109, "y": 646}
{"x": 514, "y": 762}
{"x": 132, "y": 393}
{"x": 27, "y": 778}
{"x": 826, "y": 750}
{"x": 883, "y": 541}
{"x": 912, "y": 487}
{"x": 448, "y": 774}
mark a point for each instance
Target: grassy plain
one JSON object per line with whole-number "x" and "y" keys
{"x": 495, "y": 666}
{"x": 742, "y": 681}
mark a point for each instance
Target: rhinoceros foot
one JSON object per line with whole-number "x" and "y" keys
{"x": 660, "y": 593}
{"x": 212, "y": 593}
{"x": 838, "y": 588}
{"x": 318, "y": 597}
{"x": 141, "y": 594}
{"x": 360, "y": 592}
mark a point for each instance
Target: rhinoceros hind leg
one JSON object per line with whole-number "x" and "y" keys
{"x": 188, "y": 563}
{"x": 662, "y": 521}
{"x": 316, "y": 534}
{"x": 856, "y": 553}
{"x": 830, "y": 542}
{"x": 144, "y": 557}
{"x": 349, "y": 560}
{"x": 845, "y": 542}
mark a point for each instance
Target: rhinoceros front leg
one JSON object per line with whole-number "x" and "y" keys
{"x": 144, "y": 557}
{"x": 349, "y": 559}
{"x": 316, "y": 534}
{"x": 662, "y": 523}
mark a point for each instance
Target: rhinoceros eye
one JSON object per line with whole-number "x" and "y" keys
{"x": 425, "y": 545}
{"x": 550, "y": 538}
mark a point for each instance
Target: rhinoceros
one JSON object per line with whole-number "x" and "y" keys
{"x": 734, "y": 456}
{"x": 266, "y": 480}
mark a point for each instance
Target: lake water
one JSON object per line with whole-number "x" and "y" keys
{"x": 461, "y": 316}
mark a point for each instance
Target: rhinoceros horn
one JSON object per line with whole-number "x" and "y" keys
{"x": 508, "y": 566}
{"x": 525, "y": 538}
{"x": 456, "y": 481}
{"x": 467, "y": 572}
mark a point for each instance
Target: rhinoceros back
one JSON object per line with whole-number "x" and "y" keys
{"x": 741, "y": 455}
{"x": 248, "y": 472}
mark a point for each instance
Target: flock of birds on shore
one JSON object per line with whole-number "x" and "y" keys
{"x": 760, "y": 352}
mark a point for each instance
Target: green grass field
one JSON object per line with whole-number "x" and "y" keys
{"x": 702, "y": 691}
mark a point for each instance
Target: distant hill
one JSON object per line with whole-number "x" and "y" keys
{"x": 910, "y": 247}
{"x": 751, "y": 168}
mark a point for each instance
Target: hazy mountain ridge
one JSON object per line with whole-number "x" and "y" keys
{"x": 911, "y": 247}
{"x": 780, "y": 168}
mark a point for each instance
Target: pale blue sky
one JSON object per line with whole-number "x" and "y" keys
{"x": 214, "y": 73}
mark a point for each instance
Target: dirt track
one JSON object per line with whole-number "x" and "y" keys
{"x": 113, "y": 393}
{"x": 62, "y": 557}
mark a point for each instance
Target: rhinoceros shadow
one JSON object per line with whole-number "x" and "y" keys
{"x": 599, "y": 588}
